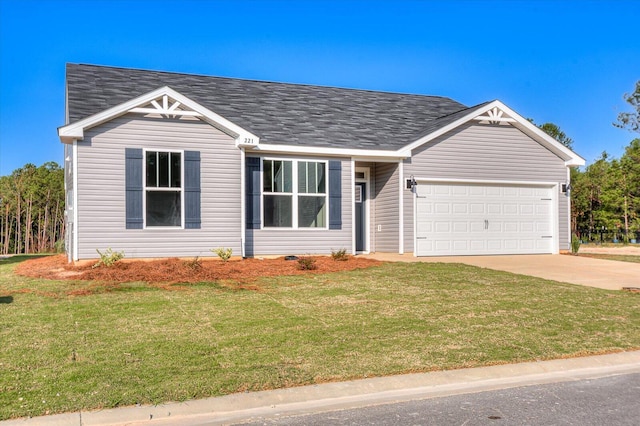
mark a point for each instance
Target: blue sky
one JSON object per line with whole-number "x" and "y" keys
{"x": 566, "y": 62}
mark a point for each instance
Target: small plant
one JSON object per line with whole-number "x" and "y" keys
{"x": 109, "y": 257}
{"x": 575, "y": 244}
{"x": 223, "y": 253}
{"x": 194, "y": 263}
{"x": 340, "y": 255}
{"x": 307, "y": 263}
{"x": 58, "y": 247}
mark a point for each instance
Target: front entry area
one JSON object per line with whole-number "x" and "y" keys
{"x": 481, "y": 219}
{"x": 360, "y": 216}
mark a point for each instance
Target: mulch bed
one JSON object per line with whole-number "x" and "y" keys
{"x": 174, "y": 270}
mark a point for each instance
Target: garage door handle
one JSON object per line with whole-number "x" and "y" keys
{"x": 547, "y": 236}
{"x": 421, "y": 238}
{"x": 486, "y": 224}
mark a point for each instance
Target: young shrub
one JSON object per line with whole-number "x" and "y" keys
{"x": 340, "y": 255}
{"x": 108, "y": 258}
{"x": 575, "y": 244}
{"x": 223, "y": 253}
{"x": 194, "y": 263}
{"x": 307, "y": 264}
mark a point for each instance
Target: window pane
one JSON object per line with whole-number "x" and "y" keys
{"x": 282, "y": 176}
{"x": 278, "y": 210}
{"x": 267, "y": 177}
{"x": 288, "y": 176}
{"x": 311, "y": 212}
{"x": 302, "y": 177}
{"x": 175, "y": 170}
{"x": 320, "y": 182}
{"x": 163, "y": 208}
{"x": 152, "y": 164}
{"x": 311, "y": 177}
{"x": 163, "y": 170}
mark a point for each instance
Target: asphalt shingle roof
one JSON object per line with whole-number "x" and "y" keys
{"x": 279, "y": 113}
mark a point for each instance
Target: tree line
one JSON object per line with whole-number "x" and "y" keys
{"x": 32, "y": 209}
{"x": 605, "y": 196}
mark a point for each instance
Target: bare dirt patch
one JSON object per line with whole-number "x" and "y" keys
{"x": 633, "y": 250}
{"x": 173, "y": 270}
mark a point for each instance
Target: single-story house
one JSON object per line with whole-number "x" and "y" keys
{"x": 163, "y": 164}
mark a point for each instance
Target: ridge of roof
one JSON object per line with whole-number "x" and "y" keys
{"x": 255, "y": 80}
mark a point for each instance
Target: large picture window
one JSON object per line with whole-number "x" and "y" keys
{"x": 299, "y": 205}
{"x": 163, "y": 189}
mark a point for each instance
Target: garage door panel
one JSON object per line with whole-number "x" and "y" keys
{"x": 456, "y": 219}
{"x": 494, "y": 208}
{"x": 441, "y": 208}
{"x": 527, "y": 209}
{"x": 460, "y": 208}
{"x": 442, "y": 227}
{"x": 476, "y": 191}
{"x": 477, "y": 208}
{"x": 460, "y": 227}
{"x": 476, "y": 226}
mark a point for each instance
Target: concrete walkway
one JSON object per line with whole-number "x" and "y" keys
{"x": 606, "y": 274}
{"x": 358, "y": 393}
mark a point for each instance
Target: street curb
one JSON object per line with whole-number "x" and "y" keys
{"x": 352, "y": 394}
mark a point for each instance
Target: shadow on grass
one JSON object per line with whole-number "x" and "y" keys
{"x": 20, "y": 258}
{"x": 6, "y": 299}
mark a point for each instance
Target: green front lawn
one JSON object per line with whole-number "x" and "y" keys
{"x": 141, "y": 344}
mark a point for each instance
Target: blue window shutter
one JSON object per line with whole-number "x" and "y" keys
{"x": 335, "y": 194}
{"x": 133, "y": 186}
{"x": 192, "y": 216}
{"x": 252, "y": 204}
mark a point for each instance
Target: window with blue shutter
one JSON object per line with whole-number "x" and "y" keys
{"x": 133, "y": 184}
{"x": 192, "y": 218}
{"x": 335, "y": 194}
{"x": 252, "y": 193}
{"x": 156, "y": 177}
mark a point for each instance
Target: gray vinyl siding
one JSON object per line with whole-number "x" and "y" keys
{"x": 486, "y": 152}
{"x": 286, "y": 241}
{"x": 101, "y": 188}
{"x": 386, "y": 209}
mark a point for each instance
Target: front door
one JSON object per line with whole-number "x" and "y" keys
{"x": 360, "y": 216}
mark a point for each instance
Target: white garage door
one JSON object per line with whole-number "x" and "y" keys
{"x": 469, "y": 219}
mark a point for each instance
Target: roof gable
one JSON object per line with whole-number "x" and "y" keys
{"x": 495, "y": 112}
{"x": 164, "y": 102}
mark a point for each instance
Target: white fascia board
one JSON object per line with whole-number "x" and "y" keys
{"x": 76, "y": 130}
{"x": 331, "y": 152}
{"x": 570, "y": 157}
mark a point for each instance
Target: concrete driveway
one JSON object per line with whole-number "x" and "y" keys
{"x": 606, "y": 274}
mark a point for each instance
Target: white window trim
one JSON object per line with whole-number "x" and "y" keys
{"x": 144, "y": 188}
{"x": 294, "y": 194}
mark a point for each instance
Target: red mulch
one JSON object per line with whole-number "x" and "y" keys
{"x": 173, "y": 270}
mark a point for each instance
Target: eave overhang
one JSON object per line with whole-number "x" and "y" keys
{"x": 165, "y": 102}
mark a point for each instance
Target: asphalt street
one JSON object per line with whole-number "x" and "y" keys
{"x": 613, "y": 400}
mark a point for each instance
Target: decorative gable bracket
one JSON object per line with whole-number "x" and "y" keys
{"x": 165, "y": 109}
{"x": 494, "y": 115}
{"x": 165, "y": 102}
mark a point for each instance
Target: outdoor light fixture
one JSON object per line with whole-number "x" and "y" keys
{"x": 566, "y": 187}
{"x": 411, "y": 182}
